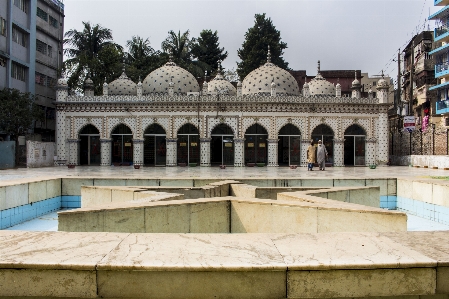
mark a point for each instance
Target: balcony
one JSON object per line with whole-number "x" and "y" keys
{"x": 441, "y": 33}
{"x": 441, "y": 69}
{"x": 440, "y": 2}
{"x": 442, "y": 107}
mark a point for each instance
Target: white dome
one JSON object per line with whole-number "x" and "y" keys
{"x": 219, "y": 83}
{"x": 158, "y": 80}
{"x": 62, "y": 82}
{"x": 320, "y": 86}
{"x": 382, "y": 83}
{"x": 259, "y": 81}
{"x": 122, "y": 86}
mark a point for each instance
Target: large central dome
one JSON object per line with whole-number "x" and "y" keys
{"x": 158, "y": 80}
{"x": 259, "y": 81}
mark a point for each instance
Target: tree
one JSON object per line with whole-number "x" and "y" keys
{"x": 91, "y": 50}
{"x": 179, "y": 45}
{"x": 255, "y": 47}
{"x": 231, "y": 75}
{"x": 141, "y": 58}
{"x": 206, "y": 49}
{"x": 18, "y": 111}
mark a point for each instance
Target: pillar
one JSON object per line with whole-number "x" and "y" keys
{"x": 370, "y": 150}
{"x": 138, "y": 151}
{"x": 273, "y": 152}
{"x": 339, "y": 145}
{"x": 60, "y": 136}
{"x": 73, "y": 151}
{"x": 382, "y": 140}
{"x": 239, "y": 152}
{"x": 205, "y": 151}
{"x": 172, "y": 151}
{"x": 304, "y": 145}
{"x": 106, "y": 151}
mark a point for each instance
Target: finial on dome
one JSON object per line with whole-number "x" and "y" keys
{"x": 170, "y": 56}
{"x": 319, "y": 67}
{"x": 220, "y": 69}
{"x": 123, "y": 68}
{"x": 355, "y": 74}
{"x": 105, "y": 82}
{"x": 269, "y": 55}
{"x": 382, "y": 74}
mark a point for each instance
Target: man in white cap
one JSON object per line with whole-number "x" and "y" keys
{"x": 321, "y": 155}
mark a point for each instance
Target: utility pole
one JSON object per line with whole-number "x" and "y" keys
{"x": 412, "y": 67}
{"x": 398, "y": 90}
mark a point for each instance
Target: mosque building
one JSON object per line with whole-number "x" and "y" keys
{"x": 169, "y": 120}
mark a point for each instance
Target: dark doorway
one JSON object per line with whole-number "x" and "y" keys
{"x": 188, "y": 144}
{"x": 222, "y": 145}
{"x": 289, "y": 145}
{"x": 90, "y": 147}
{"x": 122, "y": 145}
{"x": 324, "y": 133}
{"x": 256, "y": 147}
{"x": 354, "y": 148}
{"x": 154, "y": 146}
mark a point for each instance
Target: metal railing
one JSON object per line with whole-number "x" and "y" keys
{"x": 441, "y": 30}
{"x": 430, "y": 142}
{"x": 441, "y": 67}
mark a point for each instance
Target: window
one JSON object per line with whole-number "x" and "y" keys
{"x": 50, "y": 51}
{"x": 18, "y": 36}
{"x": 22, "y": 5}
{"x": 41, "y": 47}
{"x": 42, "y": 14}
{"x": 18, "y": 72}
{"x": 53, "y": 22}
{"x": 2, "y": 61}
{"x": 2, "y": 26}
{"x": 40, "y": 79}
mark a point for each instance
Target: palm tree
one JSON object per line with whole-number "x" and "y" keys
{"x": 138, "y": 48}
{"x": 141, "y": 58}
{"x": 84, "y": 49}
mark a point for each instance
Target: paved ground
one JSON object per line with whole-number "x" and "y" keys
{"x": 216, "y": 172}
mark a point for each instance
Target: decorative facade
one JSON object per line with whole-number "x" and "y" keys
{"x": 168, "y": 121}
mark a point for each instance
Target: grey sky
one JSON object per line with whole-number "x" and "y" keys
{"x": 343, "y": 34}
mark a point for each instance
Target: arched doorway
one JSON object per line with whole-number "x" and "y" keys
{"x": 289, "y": 145}
{"x": 256, "y": 150}
{"x": 354, "y": 154}
{"x": 122, "y": 145}
{"x": 154, "y": 146}
{"x": 324, "y": 132}
{"x": 90, "y": 146}
{"x": 222, "y": 145}
{"x": 188, "y": 144}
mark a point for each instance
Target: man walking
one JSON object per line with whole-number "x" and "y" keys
{"x": 311, "y": 156}
{"x": 321, "y": 155}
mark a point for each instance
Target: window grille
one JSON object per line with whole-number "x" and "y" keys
{"x": 22, "y": 5}
{"x": 2, "y": 26}
{"x": 50, "y": 51}
{"x": 41, "y": 47}
{"x": 40, "y": 78}
{"x": 18, "y": 36}
{"x": 42, "y": 14}
{"x": 18, "y": 71}
{"x": 53, "y": 22}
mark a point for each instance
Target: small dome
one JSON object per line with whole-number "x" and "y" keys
{"x": 382, "y": 83}
{"x": 239, "y": 84}
{"x": 158, "y": 80}
{"x": 122, "y": 86}
{"x": 320, "y": 86}
{"x": 220, "y": 84}
{"x": 62, "y": 82}
{"x": 306, "y": 85}
{"x": 356, "y": 83}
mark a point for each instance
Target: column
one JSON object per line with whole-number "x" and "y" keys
{"x": 60, "y": 136}
{"x": 106, "y": 151}
{"x": 370, "y": 151}
{"x": 138, "y": 151}
{"x": 304, "y": 145}
{"x": 172, "y": 151}
{"x": 339, "y": 152}
{"x": 382, "y": 141}
{"x": 205, "y": 151}
{"x": 239, "y": 152}
{"x": 273, "y": 152}
{"x": 73, "y": 151}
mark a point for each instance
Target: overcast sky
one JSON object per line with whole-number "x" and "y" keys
{"x": 343, "y": 34}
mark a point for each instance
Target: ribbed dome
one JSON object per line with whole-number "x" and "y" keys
{"x": 220, "y": 84}
{"x": 122, "y": 86}
{"x": 158, "y": 80}
{"x": 320, "y": 86}
{"x": 382, "y": 83}
{"x": 259, "y": 80}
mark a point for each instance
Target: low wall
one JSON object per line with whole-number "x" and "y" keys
{"x": 8, "y": 154}
{"x": 436, "y": 162}
{"x": 40, "y": 154}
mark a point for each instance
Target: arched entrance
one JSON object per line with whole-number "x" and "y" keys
{"x": 256, "y": 150}
{"x": 324, "y": 132}
{"x": 222, "y": 145}
{"x": 90, "y": 146}
{"x": 354, "y": 152}
{"x": 289, "y": 145}
{"x": 188, "y": 144}
{"x": 154, "y": 146}
{"x": 122, "y": 145}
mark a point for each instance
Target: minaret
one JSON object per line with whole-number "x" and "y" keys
{"x": 205, "y": 84}
{"x": 273, "y": 89}
{"x": 105, "y": 87}
{"x": 338, "y": 89}
{"x": 382, "y": 90}
{"x": 62, "y": 89}
{"x": 88, "y": 86}
{"x": 239, "y": 88}
{"x": 305, "y": 89}
{"x": 370, "y": 93}
{"x": 139, "y": 88}
{"x": 356, "y": 86}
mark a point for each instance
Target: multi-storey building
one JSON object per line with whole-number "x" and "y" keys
{"x": 441, "y": 55}
{"x": 31, "y": 35}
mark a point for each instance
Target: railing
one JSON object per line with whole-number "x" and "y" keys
{"x": 441, "y": 30}
{"x": 441, "y": 67}
{"x": 442, "y": 107}
{"x": 430, "y": 142}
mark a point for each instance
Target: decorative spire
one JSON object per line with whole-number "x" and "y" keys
{"x": 382, "y": 74}
{"x": 269, "y": 55}
{"x": 123, "y": 68}
{"x": 355, "y": 74}
{"x": 319, "y": 67}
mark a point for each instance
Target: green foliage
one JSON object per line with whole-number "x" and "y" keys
{"x": 206, "y": 49}
{"x": 141, "y": 58}
{"x": 92, "y": 49}
{"x": 254, "y": 49}
{"x": 179, "y": 45}
{"x": 18, "y": 111}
